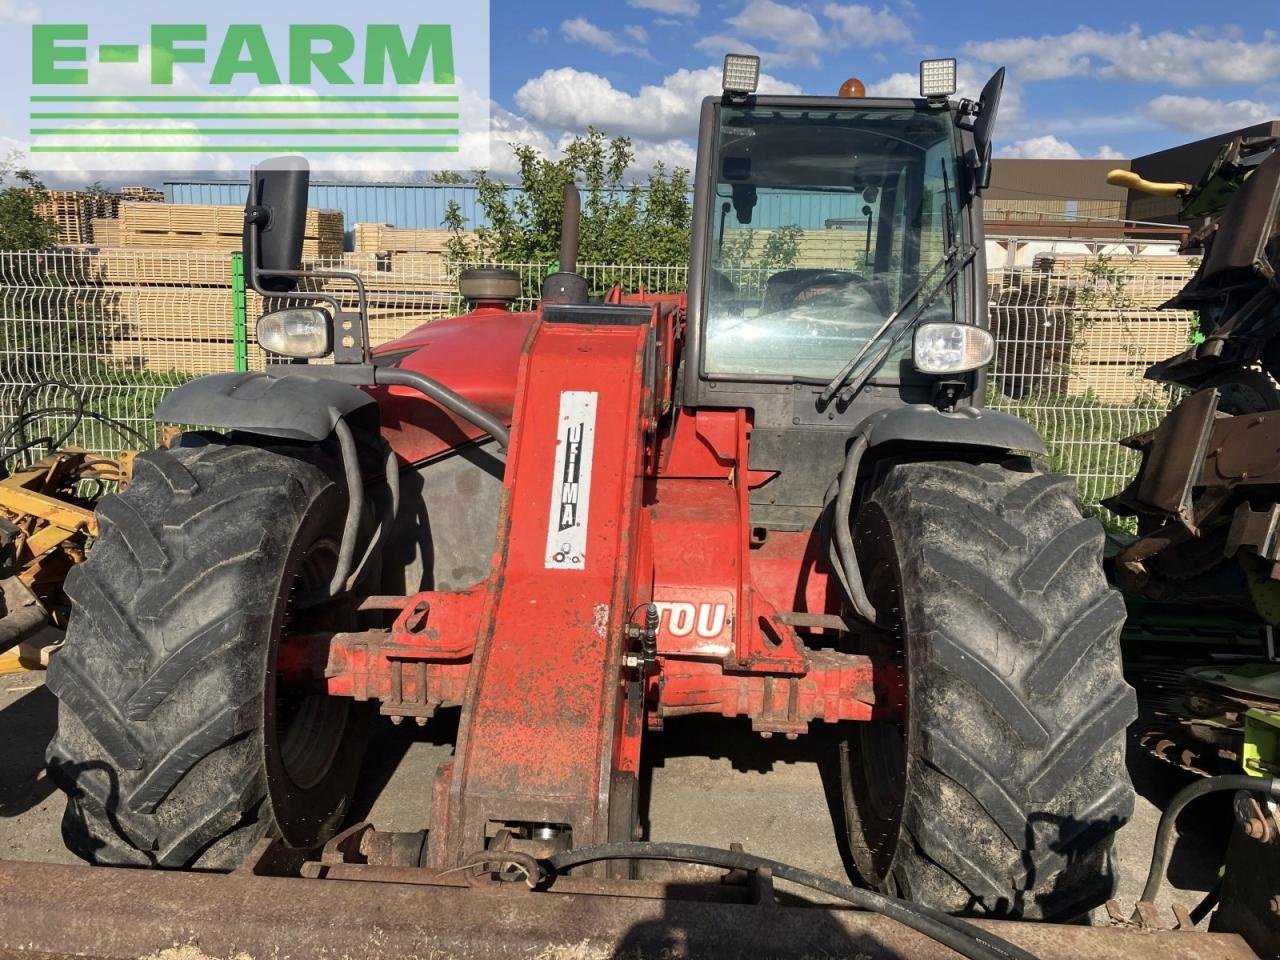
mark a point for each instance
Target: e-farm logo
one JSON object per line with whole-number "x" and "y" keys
{"x": 212, "y": 92}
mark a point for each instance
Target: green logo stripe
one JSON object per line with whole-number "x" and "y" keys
{"x": 246, "y": 148}
{"x": 242, "y": 115}
{"x": 244, "y": 132}
{"x": 300, "y": 98}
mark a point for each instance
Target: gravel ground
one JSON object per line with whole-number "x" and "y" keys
{"x": 712, "y": 782}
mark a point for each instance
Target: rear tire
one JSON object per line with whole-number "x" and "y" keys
{"x": 1000, "y": 792}
{"x": 175, "y": 746}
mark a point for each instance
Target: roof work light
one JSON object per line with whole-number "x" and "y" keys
{"x": 937, "y": 78}
{"x": 741, "y": 74}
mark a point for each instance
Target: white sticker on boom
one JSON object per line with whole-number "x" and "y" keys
{"x": 571, "y": 484}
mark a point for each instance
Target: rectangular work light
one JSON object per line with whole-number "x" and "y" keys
{"x": 937, "y": 78}
{"x": 741, "y": 73}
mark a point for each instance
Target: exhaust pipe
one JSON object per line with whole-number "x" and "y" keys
{"x": 570, "y": 229}
{"x": 566, "y": 286}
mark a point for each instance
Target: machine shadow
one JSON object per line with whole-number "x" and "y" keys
{"x": 690, "y": 929}
{"x": 26, "y": 727}
{"x": 747, "y": 752}
{"x": 388, "y": 745}
{"x": 1201, "y": 830}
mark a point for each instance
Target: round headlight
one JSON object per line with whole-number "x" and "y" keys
{"x": 951, "y": 348}
{"x": 300, "y": 332}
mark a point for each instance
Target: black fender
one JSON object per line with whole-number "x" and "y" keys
{"x": 290, "y": 407}
{"x": 966, "y": 427}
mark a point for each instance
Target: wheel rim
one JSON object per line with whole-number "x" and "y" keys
{"x": 308, "y": 724}
{"x": 875, "y": 768}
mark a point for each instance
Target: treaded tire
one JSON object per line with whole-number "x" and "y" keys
{"x": 167, "y": 741}
{"x": 1011, "y": 777}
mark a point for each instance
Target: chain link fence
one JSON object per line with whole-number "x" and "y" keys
{"x": 122, "y": 327}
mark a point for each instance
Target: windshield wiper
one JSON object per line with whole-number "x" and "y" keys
{"x": 957, "y": 259}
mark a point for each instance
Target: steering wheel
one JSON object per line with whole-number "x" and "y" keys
{"x": 817, "y": 284}
{"x": 721, "y": 285}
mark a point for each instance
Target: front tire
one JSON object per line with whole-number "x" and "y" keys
{"x": 177, "y": 744}
{"x": 1001, "y": 789}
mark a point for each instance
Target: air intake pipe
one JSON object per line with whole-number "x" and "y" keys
{"x": 566, "y": 286}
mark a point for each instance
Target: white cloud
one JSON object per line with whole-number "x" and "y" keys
{"x": 1205, "y": 116}
{"x": 1182, "y": 59}
{"x": 572, "y": 99}
{"x": 539, "y": 35}
{"x": 796, "y": 32}
{"x": 582, "y": 30}
{"x": 1046, "y": 147}
{"x": 969, "y": 83}
{"x": 719, "y": 44}
{"x": 506, "y": 129}
{"x": 15, "y": 11}
{"x": 865, "y": 27}
{"x": 1107, "y": 152}
{"x": 676, "y": 8}
{"x": 637, "y": 33}
{"x": 793, "y": 37}
{"x": 896, "y": 85}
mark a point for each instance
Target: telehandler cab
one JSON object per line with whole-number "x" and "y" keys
{"x": 775, "y": 497}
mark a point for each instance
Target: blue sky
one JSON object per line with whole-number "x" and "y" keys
{"x": 1085, "y": 79}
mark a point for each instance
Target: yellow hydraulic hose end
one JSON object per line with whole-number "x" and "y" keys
{"x": 1129, "y": 179}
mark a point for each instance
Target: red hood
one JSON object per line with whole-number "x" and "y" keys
{"x": 477, "y": 354}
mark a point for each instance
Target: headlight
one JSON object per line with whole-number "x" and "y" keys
{"x": 951, "y": 348}
{"x": 937, "y": 78}
{"x": 741, "y": 73}
{"x": 300, "y": 332}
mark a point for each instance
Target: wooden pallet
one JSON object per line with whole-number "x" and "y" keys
{"x": 68, "y": 211}
{"x": 142, "y": 194}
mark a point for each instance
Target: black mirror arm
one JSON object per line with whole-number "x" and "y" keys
{"x": 355, "y": 326}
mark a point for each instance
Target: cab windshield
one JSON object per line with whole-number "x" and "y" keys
{"x": 822, "y": 220}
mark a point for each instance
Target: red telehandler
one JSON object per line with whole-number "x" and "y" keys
{"x": 775, "y": 498}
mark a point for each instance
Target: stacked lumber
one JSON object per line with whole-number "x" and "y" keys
{"x": 172, "y": 311}
{"x": 115, "y": 266}
{"x": 381, "y": 238}
{"x": 816, "y": 249}
{"x": 1072, "y": 326}
{"x": 104, "y": 231}
{"x": 216, "y": 228}
{"x": 1147, "y": 281}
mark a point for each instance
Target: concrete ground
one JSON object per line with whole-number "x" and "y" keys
{"x": 711, "y": 782}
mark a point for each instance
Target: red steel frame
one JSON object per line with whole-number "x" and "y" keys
{"x": 537, "y": 656}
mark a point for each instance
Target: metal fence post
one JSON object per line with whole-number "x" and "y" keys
{"x": 239, "y": 314}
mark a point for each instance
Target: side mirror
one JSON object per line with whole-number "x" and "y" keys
{"x": 984, "y": 127}
{"x": 744, "y": 201}
{"x": 275, "y": 219}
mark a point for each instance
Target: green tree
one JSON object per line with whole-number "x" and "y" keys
{"x": 21, "y": 226}
{"x": 623, "y": 222}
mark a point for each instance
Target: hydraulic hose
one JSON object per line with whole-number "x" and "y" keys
{"x": 355, "y": 505}
{"x": 962, "y": 937}
{"x": 851, "y": 577}
{"x": 449, "y": 399}
{"x": 1164, "y": 832}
